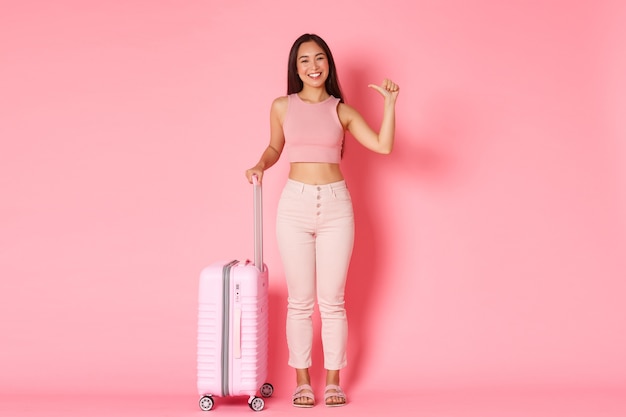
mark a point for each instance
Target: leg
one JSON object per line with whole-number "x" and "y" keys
{"x": 303, "y": 397}
{"x": 296, "y": 243}
{"x": 333, "y": 395}
{"x": 335, "y": 240}
{"x": 334, "y": 249}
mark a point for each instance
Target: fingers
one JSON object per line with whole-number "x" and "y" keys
{"x": 390, "y": 86}
{"x": 387, "y": 87}
{"x": 254, "y": 171}
{"x": 377, "y": 88}
{"x": 249, "y": 174}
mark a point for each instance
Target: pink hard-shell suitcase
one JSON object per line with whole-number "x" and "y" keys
{"x": 233, "y": 325}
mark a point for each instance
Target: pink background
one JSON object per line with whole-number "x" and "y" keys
{"x": 490, "y": 244}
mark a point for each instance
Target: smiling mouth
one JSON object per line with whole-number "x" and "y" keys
{"x": 315, "y": 75}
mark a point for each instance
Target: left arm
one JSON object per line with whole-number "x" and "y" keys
{"x": 381, "y": 142}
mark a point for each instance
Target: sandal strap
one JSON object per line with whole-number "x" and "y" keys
{"x": 300, "y": 394}
{"x": 338, "y": 392}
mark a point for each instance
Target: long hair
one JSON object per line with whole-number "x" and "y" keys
{"x": 294, "y": 83}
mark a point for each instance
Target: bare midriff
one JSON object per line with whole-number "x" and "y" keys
{"x": 315, "y": 173}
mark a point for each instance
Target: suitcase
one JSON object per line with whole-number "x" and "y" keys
{"x": 233, "y": 325}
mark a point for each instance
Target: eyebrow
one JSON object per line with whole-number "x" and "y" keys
{"x": 316, "y": 55}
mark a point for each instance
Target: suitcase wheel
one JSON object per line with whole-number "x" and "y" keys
{"x": 267, "y": 390}
{"x": 257, "y": 404}
{"x": 206, "y": 403}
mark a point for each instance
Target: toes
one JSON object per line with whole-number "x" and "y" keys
{"x": 338, "y": 400}
{"x": 334, "y": 396}
{"x": 335, "y": 400}
{"x": 303, "y": 401}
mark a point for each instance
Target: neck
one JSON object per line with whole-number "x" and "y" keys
{"x": 313, "y": 95}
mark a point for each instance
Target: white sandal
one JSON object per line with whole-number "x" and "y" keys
{"x": 338, "y": 392}
{"x": 299, "y": 394}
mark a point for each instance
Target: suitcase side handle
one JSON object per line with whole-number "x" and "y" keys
{"x": 257, "y": 195}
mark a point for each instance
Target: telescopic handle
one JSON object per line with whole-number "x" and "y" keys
{"x": 258, "y": 223}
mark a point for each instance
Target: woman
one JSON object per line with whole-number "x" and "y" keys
{"x": 315, "y": 221}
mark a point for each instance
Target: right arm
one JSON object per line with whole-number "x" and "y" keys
{"x": 277, "y": 140}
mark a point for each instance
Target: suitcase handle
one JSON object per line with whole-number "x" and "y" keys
{"x": 258, "y": 222}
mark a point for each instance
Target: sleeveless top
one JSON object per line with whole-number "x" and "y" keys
{"x": 313, "y": 132}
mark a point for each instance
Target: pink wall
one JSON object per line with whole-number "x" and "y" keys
{"x": 490, "y": 244}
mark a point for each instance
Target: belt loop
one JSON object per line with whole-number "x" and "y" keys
{"x": 301, "y": 187}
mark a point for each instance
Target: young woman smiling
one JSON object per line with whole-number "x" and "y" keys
{"x": 315, "y": 220}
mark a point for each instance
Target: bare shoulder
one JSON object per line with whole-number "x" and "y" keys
{"x": 280, "y": 104}
{"x": 279, "y": 109}
{"x": 346, "y": 113}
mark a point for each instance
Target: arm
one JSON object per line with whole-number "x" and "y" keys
{"x": 381, "y": 142}
{"x": 277, "y": 140}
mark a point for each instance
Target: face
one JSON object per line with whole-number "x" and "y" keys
{"x": 312, "y": 64}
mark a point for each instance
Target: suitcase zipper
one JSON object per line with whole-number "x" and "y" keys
{"x": 226, "y": 326}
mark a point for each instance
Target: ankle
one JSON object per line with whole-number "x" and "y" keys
{"x": 332, "y": 377}
{"x": 302, "y": 377}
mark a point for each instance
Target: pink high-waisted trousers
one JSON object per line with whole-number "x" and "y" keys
{"x": 315, "y": 234}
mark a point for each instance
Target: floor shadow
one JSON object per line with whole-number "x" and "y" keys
{"x": 426, "y": 157}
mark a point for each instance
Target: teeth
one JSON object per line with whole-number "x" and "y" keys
{"x": 315, "y": 75}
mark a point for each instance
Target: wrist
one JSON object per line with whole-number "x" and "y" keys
{"x": 390, "y": 102}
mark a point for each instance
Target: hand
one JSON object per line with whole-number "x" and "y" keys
{"x": 254, "y": 171}
{"x": 388, "y": 89}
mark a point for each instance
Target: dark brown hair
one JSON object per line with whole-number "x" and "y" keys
{"x": 294, "y": 83}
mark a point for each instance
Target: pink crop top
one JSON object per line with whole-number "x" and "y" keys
{"x": 313, "y": 132}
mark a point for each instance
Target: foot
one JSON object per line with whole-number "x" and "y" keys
{"x": 303, "y": 397}
{"x": 334, "y": 396}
